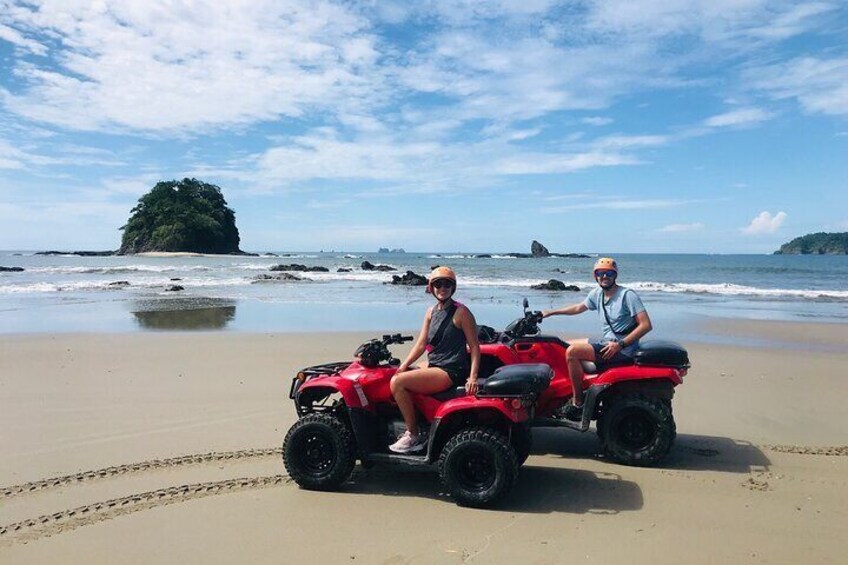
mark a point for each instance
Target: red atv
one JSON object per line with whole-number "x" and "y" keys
{"x": 347, "y": 412}
{"x": 630, "y": 403}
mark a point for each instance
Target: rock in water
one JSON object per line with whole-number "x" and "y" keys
{"x": 538, "y": 250}
{"x": 554, "y": 284}
{"x": 409, "y": 279}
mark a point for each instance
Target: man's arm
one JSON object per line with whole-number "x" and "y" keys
{"x": 578, "y": 308}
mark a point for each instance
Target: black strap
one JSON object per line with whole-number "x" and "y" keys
{"x": 604, "y": 308}
{"x": 437, "y": 338}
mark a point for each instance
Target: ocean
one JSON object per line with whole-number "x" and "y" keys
{"x": 68, "y": 293}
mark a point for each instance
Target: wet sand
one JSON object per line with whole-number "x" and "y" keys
{"x": 169, "y": 449}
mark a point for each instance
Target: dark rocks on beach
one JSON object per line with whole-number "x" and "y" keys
{"x": 270, "y": 255}
{"x": 368, "y": 266}
{"x": 342, "y": 270}
{"x": 409, "y": 279}
{"x": 119, "y": 283}
{"x": 11, "y": 269}
{"x": 554, "y": 284}
{"x": 300, "y": 268}
{"x": 483, "y": 256}
{"x": 174, "y": 288}
{"x": 176, "y": 279}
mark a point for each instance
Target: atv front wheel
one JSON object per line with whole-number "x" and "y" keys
{"x": 477, "y": 467}
{"x": 636, "y": 430}
{"x": 318, "y": 452}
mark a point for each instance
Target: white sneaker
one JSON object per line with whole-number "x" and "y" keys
{"x": 408, "y": 442}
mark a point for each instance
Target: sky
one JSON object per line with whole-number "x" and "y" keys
{"x": 630, "y": 126}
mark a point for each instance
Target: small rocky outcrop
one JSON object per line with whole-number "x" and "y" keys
{"x": 11, "y": 269}
{"x": 300, "y": 268}
{"x": 539, "y": 250}
{"x": 368, "y": 266}
{"x": 554, "y": 284}
{"x": 343, "y": 270}
{"x": 174, "y": 288}
{"x": 119, "y": 284}
{"x": 409, "y": 279}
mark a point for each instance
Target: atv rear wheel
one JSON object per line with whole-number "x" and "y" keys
{"x": 477, "y": 467}
{"x": 636, "y": 430}
{"x": 318, "y": 452}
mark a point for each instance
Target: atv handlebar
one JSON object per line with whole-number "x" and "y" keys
{"x": 373, "y": 352}
{"x": 528, "y": 325}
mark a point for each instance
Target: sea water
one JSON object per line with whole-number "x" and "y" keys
{"x": 69, "y": 293}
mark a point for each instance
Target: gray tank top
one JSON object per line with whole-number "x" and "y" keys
{"x": 451, "y": 350}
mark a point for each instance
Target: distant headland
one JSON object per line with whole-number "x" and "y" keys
{"x": 816, "y": 244}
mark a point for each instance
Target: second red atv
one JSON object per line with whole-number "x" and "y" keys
{"x": 347, "y": 412}
{"x": 631, "y": 404}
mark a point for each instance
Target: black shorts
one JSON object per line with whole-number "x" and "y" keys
{"x": 616, "y": 360}
{"x": 458, "y": 375}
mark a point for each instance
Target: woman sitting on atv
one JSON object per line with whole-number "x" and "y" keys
{"x": 448, "y": 334}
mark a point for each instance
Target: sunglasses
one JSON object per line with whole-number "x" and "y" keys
{"x": 608, "y": 274}
{"x": 443, "y": 283}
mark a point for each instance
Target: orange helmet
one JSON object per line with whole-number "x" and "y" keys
{"x": 440, "y": 273}
{"x": 605, "y": 264}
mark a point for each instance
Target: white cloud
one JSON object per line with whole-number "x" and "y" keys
{"x": 765, "y": 223}
{"x": 150, "y": 66}
{"x": 616, "y": 204}
{"x": 819, "y": 85}
{"x": 740, "y": 117}
{"x": 597, "y": 121}
{"x": 682, "y": 228}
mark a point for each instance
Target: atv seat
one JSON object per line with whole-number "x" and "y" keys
{"x": 656, "y": 352}
{"x": 519, "y": 379}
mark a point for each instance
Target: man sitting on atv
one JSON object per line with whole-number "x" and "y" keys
{"x": 624, "y": 321}
{"x": 448, "y": 328}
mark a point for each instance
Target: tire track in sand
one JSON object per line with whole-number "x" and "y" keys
{"x": 73, "y": 518}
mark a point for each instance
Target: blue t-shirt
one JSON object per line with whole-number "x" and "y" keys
{"x": 621, "y": 308}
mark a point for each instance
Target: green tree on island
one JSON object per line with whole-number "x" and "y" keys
{"x": 816, "y": 244}
{"x": 187, "y": 215}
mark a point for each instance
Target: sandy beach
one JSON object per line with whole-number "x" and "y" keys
{"x": 758, "y": 474}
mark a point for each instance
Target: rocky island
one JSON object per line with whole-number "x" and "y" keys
{"x": 187, "y": 216}
{"x": 816, "y": 244}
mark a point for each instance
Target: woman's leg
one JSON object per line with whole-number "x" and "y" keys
{"x": 418, "y": 381}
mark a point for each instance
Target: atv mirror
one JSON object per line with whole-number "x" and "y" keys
{"x": 526, "y": 303}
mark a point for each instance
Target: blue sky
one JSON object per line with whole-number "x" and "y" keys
{"x": 716, "y": 126}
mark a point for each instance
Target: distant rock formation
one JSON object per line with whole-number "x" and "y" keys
{"x": 181, "y": 216}
{"x": 79, "y": 253}
{"x": 11, "y": 269}
{"x": 537, "y": 250}
{"x": 816, "y": 244}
